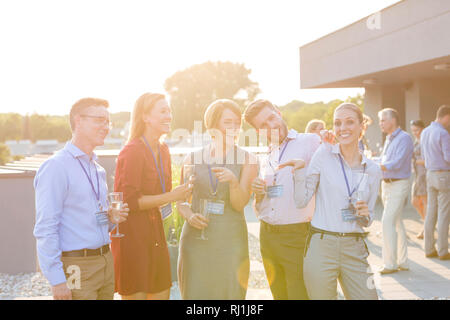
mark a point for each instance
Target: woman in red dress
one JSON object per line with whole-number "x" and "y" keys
{"x": 143, "y": 174}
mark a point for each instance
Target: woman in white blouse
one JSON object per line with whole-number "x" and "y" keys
{"x": 346, "y": 186}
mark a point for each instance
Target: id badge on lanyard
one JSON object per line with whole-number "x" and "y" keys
{"x": 349, "y": 213}
{"x": 166, "y": 210}
{"x": 215, "y": 207}
{"x": 276, "y": 190}
{"x": 102, "y": 218}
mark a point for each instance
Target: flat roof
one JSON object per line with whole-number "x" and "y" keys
{"x": 409, "y": 33}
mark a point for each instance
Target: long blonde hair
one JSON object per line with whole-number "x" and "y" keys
{"x": 142, "y": 106}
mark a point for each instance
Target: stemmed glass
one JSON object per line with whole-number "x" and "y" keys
{"x": 362, "y": 179}
{"x": 116, "y": 204}
{"x": 188, "y": 175}
{"x": 204, "y": 213}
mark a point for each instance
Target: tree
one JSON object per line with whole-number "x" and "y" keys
{"x": 5, "y": 155}
{"x": 193, "y": 89}
{"x": 10, "y": 126}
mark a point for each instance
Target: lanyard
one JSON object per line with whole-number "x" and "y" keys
{"x": 350, "y": 193}
{"x": 213, "y": 185}
{"x": 279, "y": 160}
{"x": 97, "y": 194}
{"x": 159, "y": 169}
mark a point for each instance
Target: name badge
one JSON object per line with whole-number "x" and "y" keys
{"x": 102, "y": 218}
{"x": 275, "y": 191}
{"x": 166, "y": 210}
{"x": 215, "y": 207}
{"x": 349, "y": 213}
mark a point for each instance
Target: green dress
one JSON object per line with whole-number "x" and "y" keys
{"x": 217, "y": 268}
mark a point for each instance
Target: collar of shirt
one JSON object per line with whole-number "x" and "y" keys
{"x": 336, "y": 150}
{"x": 438, "y": 125}
{"x": 292, "y": 134}
{"x": 395, "y": 133}
{"x": 77, "y": 153}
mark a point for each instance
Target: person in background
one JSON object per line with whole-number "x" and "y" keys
{"x": 284, "y": 227}
{"x": 419, "y": 187}
{"x": 216, "y": 267}
{"x": 396, "y": 167}
{"x": 144, "y": 175}
{"x": 315, "y": 126}
{"x": 363, "y": 146}
{"x": 72, "y": 216}
{"x": 435, "y": 145}
{"x": 346, "y": 186}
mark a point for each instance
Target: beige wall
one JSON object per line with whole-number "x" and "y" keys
{"x": 17, "y": 219}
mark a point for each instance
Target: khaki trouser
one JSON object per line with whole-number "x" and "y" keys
{"x": 331, "y": 258}
{"x": 395, "y": 252}
{"x": 90, "y": 278}
{"x": 438, "y": 208}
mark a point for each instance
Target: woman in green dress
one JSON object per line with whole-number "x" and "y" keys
{"x": 217, "y": 268}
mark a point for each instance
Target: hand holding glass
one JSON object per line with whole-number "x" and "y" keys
{"x": 204, "y": 213}
{"x": 116, "y": 204}
{"x": 188, "y": 175}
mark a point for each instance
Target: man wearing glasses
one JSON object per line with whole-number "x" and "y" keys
{"x": 72, "y": 216}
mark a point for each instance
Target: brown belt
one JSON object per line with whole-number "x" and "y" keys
{"x": 391, "y": 180}
{"x": 87, "y": 252}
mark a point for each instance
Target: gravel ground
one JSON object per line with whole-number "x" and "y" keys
{"x": 23, "y": 285}
{"x": 34, "y": 284}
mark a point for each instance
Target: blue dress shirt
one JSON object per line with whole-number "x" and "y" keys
{"x": 65, "y": 209}
{"x": 397, "y": 154}
{"x": 435, "y": 145}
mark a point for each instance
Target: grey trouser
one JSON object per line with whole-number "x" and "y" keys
{"x": 331, "y": 258}
{"x": 438, "y": 209}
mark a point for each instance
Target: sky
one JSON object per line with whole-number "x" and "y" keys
{"x": 55, "y": 52}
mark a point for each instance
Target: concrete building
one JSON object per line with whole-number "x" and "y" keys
{"x": 400, "y": 55}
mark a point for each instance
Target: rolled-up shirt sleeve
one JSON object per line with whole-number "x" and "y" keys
{"x": 50, "y": 191}
{"x": 306, "y": 180}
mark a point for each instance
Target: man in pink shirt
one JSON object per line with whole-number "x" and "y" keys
{"x": 284, "y": 228}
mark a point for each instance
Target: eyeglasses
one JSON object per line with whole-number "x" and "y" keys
{"x": 98, "y": 120}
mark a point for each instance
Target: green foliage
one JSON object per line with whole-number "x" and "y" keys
{"x": 193, "y": 89}
{"x": 297, "y": 114}
{"x": 13, "y": 126}
{"x": 175, "y": 220}
{"x": 5, "y": 155}
{"x": 10, "y": 126}
{"x": 50, "y": 127}
{"x": 119, "y": 119}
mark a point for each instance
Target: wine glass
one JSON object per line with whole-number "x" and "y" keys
{"x": 266, "y": 172}
{"x": 203, "y": 212}
{"x": 188, "y": 175}
{"x": 363, "y": 180}
{"x": 116, "y": 204}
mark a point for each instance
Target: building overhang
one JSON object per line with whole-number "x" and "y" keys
{"x": 407, "y": 41}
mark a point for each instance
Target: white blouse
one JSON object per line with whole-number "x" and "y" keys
{"x": 324, "y": 178}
